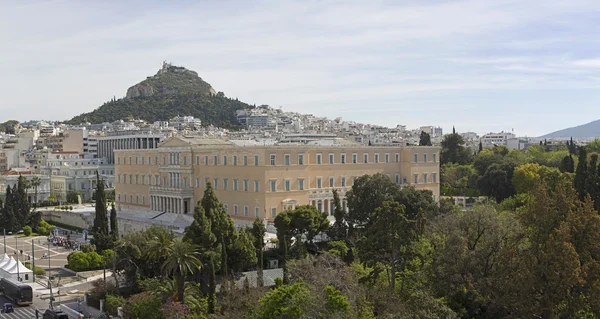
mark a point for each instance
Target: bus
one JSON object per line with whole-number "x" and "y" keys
{"x": 20, "y": 294}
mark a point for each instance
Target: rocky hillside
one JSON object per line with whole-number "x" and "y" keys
{"x": 172, "y": 91}
{"x": 170, "y": 80}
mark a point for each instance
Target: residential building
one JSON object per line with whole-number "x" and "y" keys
{"x": 258, "y": 180}
{"x": 11, "y": 178}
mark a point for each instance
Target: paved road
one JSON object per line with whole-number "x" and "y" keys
{"x": 27, "y": 312}
{"x": 58, "y": 255}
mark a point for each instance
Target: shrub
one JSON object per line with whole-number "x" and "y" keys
{"x": 174, "y": 309}
{"x": 38, "y": 271}
{"x": 42, "y": 231}
{"x": 86, "y": 248}
{"x": 143, "y": 305}
{"x": 78, "y": 261}
{"x": 27, "y": 230}
{"x": 113, "y": 302}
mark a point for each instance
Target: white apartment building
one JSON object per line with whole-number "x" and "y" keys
{"x": 11, "y": 178}
{"x": 497, "y": 138}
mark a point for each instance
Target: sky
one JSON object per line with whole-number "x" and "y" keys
{"x": 481, "y": 66}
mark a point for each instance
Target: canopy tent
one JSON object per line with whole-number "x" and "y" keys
{"x": 5, "y": 266}
{"x": 17, "y": 271}
{"x": 4, "y": 260}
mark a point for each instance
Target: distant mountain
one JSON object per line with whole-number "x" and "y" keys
{"x": 591, "y": 129}
{"x": 172, "y": 91}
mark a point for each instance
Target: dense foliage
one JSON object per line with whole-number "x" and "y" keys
{"x": 529, "y": 250}
{"x": 16, "y": 211}
{"x": 216, "y": 110}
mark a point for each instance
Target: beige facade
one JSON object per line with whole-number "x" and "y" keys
{"x": 260, "y": 181}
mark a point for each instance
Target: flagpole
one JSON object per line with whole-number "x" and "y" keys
{"x": 4, "y": 231}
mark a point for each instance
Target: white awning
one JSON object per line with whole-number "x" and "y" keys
{"x": 21, "y": 269}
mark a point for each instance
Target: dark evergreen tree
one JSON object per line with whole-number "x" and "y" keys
{"x": 571, "y": 147}
{"x": 114, "y": 228}
{"x": 480, "y": 146}
{"x": 592, "y": 185}
{"x": 424, "y": 139}
{"x": 102, "y": 238}
{"x": 454, "y": 151}
{"x": 221, "y": 225}
{"x": 258, "y": 231}
{"x": 200, "y": 233}
{"x": 453, "y": 130}
{"x": 21, "y": 204}
{"x": 581, "y": 174}
{"x": 8, "y": 218}
{"x": 567, "y": 164}
{"x": 338, "y": 230}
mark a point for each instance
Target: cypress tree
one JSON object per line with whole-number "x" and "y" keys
{"x": 258, "y": 231}
{"x": 102, "y": 238}
{"x": 453, "y": 130}
{"x": 581, "y": 174}
{"x": 480, "y": 146}
{"x": 114, "y": 228}
{"x": 221, "y": 225}
{"x": 592, "y": 178}
{"x": 339, "y": 229}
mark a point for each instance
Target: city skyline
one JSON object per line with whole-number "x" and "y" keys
{"x": 478, "y": 66}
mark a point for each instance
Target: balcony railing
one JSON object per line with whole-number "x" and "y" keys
{"x": 173, "y": 191}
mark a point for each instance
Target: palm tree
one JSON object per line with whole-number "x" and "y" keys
{"x": 182, "y": 259}
{"x": 35, "y": 183}
{"x": 159, "y": 244}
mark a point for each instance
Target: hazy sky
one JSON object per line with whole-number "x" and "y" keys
{"x": 482, "y": 65}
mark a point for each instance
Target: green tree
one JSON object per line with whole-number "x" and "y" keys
{"x": 469, "y": 246}
{"x": 102, "y": 238}
{"x": 305, "y": 221}
{"x": 581, "y": 174}
{"x": 258, "y": 232}
{"x": 182, "y": 259}
{"x": 35, "y": 183}
{"x": 424, "y": 139}
{"x": 114, "y": 228}
{"x": 8, "y": 216}
{"x": 27, "y": 230}
{"x": 453, "y": 150}
{"x": 592, "y": 186}
{"x": 567, "y": 164}
{"x": 387, "y": 240}
{"x": 221, "y": 226}
{"x": 368, "y": 192}
{"x": 200, "y": 233}
{"x": 285, "y": 301}
{"x": 243, "y": 252}
{"x": 339, "y": 229}
{"x": 556, "y": 274}
{"x": 496, "y": 182}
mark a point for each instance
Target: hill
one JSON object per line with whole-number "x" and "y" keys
{"x": 172, "y": 91}
{"x": 591, "y": 129}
